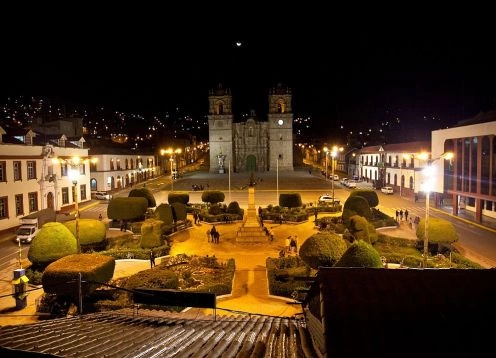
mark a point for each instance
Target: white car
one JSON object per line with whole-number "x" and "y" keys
{"x": 326, "y": 199}
{"x": 351, "y": 184}
{"x": 101, "y": 195}
{"x": 387, "y": 190}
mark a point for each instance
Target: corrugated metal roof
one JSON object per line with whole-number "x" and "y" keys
{"x": 148, "y": 334}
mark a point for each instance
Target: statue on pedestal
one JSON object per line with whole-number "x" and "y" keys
{"x": 221, "y": 157}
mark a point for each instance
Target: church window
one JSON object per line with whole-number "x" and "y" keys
{"x": 250, "y": 132}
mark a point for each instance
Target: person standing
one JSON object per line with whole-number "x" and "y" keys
{"x": 406, "y": 214}
{"x": 208, "y": 235}
{"x": 213, "y": 234}
{"x": 401, "y": 214}
{"x": 152, "y": 259}
{"x": 315, "y": 213}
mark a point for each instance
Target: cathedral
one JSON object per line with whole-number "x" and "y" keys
{"x": 250, "y": 145}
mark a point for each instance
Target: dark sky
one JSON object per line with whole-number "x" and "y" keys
{"x": 352, "y": 73}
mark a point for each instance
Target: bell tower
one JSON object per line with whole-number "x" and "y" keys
{"x": 220, "y": 132}
{"x": 280, "y": 118}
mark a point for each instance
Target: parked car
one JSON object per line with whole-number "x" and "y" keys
{"x": 351, "y": 184}
{"x": 326, "y": 198}
{"x": 101, "y": 195}
{"x": 387, "y": 190}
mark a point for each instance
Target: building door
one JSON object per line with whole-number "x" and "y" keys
{"x": 251, "y": 163}
{"x": 50, "y": 200}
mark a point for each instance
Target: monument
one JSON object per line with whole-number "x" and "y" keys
{"x": 221, "y": 157}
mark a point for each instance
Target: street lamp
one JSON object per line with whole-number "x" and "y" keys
{"x": 172, "y": 153}
{"x": 428, "y": 185}
{"x": 334, "y": 154}
{"x": 326, "y": 151}
{"x": 74, "y": 163}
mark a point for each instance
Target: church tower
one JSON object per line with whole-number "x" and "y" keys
{"x": 280, "y": 118}
{"x": 220, "y": 120}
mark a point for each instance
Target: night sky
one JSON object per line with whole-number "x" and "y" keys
{"x": 367, "y": 73}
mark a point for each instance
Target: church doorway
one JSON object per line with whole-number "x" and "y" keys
{"x": 50, "y": 200}
{"x": 251, "y": 163}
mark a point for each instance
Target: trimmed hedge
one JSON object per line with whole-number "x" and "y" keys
{"x": 356, "y": 205}
{"x": 213, "y": 196}
{"x": 61, "y": 276}
{"x": 143, "y": 193}
{"x": 91, "y": 231}
{"x": 127, "y": 208}
{"x": 360, "y": 254}
{"x": 290, "y": 200}
{"x": 53, "y": 241}
{"x": 322, "y": 249}
{"x": 178, "y": 197}
{"x": 367, "y": 194}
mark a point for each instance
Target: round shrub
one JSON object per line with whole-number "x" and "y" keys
{"x": 322, "y": 249}
{"x": 360, "y": 254}
{"x": 143, "y": 193}
{"x": 53, "y": 241}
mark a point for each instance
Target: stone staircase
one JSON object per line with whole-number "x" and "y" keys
{"x": 251, "y": 231}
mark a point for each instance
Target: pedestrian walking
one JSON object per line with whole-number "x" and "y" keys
{"x": 401, "y": 214}
{"x": 213, "y": 234}
{"x": 208, "y": 235}
{"x": 288, "y": 243}
{"x": 315, "y": 213}
{"x": 397, "y": 215}
{"x": 100, "y": 217}
{"x": 406, "y": 214}
{"x": 152, "y": 259}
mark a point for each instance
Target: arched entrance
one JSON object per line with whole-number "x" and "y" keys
{"x": 50, "y": 200}
{"x": 251, "y": 163}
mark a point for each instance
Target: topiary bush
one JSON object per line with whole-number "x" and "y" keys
{"x": 164, "y": 213}
{"x": 179, "y": 211}
{"x": 359, "y": 228}
{"x": 322, "y": 249}
{"x": 233, "y": 208}
{"x": 355, "y": 205}
{"x": 61, "y": 276}
{"x": 360, "y": 254}
{"x": 178, "y": 197}
{"x": 127, "y": 208}
{"x": 367, "y": 194}
{"x": 53, "y": 241}
{"x": 290, "y": 200}
{"x": 92, "y": 232}
{"x": 143, "y": 193}
{"x": 213, "y": 196}
{"x": 151, "y": 234}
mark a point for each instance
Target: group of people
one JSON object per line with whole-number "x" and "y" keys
{"x": 400, "y": 214}
{"x": 213, "y": 235}
{"x": 197, "y": 217}
{"x": 292, "y": 244}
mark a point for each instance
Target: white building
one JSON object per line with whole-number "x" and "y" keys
{"x": 36, "y": 176}
{"x": 397, "y": 165}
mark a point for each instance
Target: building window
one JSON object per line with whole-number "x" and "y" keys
{"x": 17, "y": 170}
{"x": 31, "y": 169}
{"x": 3, "y": 174}
{"x": 83, "y": 191}
{"x": 63, "y": 170}
{"x": 33, "y": 202}
{"x": 82, "y": 169}
{"x": 111, "y": 164}
{"x": 19, "y": 205}
{"x": 4, "y": 207}
{"x": 65, "y": 195}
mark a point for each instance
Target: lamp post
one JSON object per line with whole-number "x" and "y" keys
{"x": 277, "y": 180}
{"x": 334, "y": 154}
{"x": 172, "y": 153}
{"x": 428, "y": 185}
{"x": 74, "y": 176}
{"x": 326, "y": 151}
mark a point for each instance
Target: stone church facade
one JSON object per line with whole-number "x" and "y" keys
{"x": 251, "y": 145}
